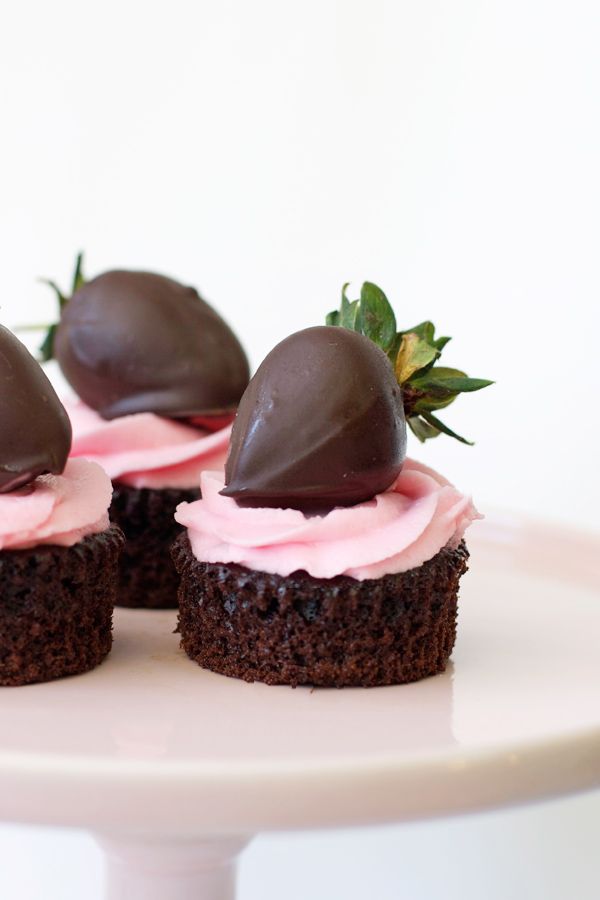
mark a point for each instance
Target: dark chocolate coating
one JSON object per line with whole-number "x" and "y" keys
{"x": 35, "y": 431}
{"x": 131, "y": 342}
{"x": 320, "y": 425}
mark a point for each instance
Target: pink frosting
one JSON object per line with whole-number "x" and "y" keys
{"x": 396, "y": 531}
{"x": 56, "y": 509}
{"x": 145, "y": 450}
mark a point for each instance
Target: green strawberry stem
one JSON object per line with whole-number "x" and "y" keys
{"x": 46, "y": 349}
{"x": 426, "y": 387}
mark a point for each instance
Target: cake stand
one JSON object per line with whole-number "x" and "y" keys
{"x": 174, "y": 768}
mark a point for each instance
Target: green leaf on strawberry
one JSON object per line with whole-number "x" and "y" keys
{"x": 46, "y": 349}
{"x": 413, "y": 353}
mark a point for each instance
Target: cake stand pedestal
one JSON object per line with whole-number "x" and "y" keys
{"x": 142, "y": 867}
{"x": 174, "y": 768}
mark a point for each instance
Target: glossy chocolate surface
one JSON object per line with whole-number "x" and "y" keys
{"x": 131, "y": 342}
{"x": 35, "y": 432}
{"x": 320, "y": 425}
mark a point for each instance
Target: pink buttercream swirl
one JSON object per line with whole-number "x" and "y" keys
{"x": 56, "y": 509}
{"x": 398, "y": 530}
{"x": 146, "y": 450}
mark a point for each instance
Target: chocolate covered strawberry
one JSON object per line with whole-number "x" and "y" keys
{"x": 131, "y": 342}
{"x": 321, "y": 424}
{"x": 35, "y": 436}
{"x": 323, "y": 421}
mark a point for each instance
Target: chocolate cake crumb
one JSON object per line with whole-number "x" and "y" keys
{"x": 324, "y": 632}
{"x": 56, "y": 608}
{"x": 147, "y": 577}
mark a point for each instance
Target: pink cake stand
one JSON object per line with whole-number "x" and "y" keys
{"x": 174, "y": 768}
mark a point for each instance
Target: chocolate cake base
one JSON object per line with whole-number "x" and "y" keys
{"x": 147, "y": 576}
{"x": 56, "y": 606}
{"x": 330, "y": 632}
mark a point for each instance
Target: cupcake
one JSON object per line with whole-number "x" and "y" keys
{"x": 157, "y": 376}
{"x": 323, "y": 556}
{"x": 58, "y": 552}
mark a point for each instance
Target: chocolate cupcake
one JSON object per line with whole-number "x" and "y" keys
{"x": 325, "y": 557}
{"x": 158, "y": 376}
{"x": 58, "y": 552}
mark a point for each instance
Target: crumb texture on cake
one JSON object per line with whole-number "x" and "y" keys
{"x": 147, "y": 576}
{"x": 335, "y": 632}
{"x": 56, "y": 608}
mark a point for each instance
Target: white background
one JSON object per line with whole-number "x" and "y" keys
{"x": 268, "y": 151}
